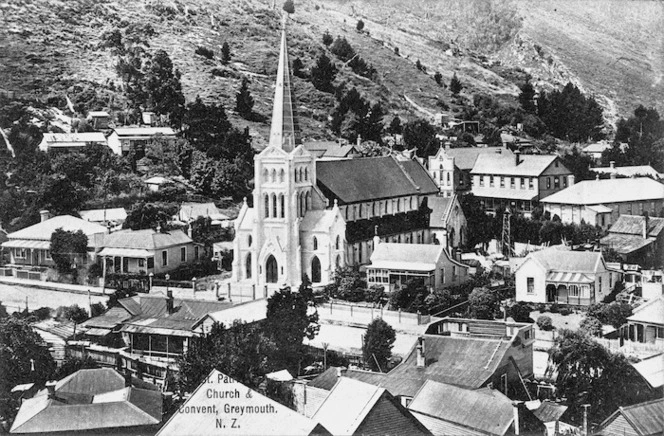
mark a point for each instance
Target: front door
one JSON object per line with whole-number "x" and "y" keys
{"x": 271, "y": 270}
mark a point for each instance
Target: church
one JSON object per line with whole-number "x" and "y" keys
{"x": 310, "y": 217}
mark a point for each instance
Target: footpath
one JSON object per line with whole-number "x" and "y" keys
{"x": 53, "y": 286}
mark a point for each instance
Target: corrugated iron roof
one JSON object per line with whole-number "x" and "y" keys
{"x": 508, "y": 193}
{"x": 484, "y": 410}
{"x": 146, "y": 239}
{"x": 191, "y": 211}
{"x": 633, "y": 225}
{"x": 568, "y": 261}
{"x": 652, "y": 370}
{"x": 651, "y": 312}
{"x": 465, "y": 157}
{"x": 101, "y": 215}
{"x": 530, "y": 165}
{"x": 589, "y": 192}
{"x": 646, "y": 418}
{"x": 144, "y": 131}
{"x": 81, "y": 138}
{"x": 440, "y": 209}
{"x": 625, "y": 244}
{"x": 42, "y": 231}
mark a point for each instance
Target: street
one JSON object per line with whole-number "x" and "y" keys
{"x": 14, "y": 298}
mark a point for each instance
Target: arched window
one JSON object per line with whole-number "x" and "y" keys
{"x": 274, "y": 175}
{"x": 411, "y": 203}
{"x": 266, "y": 199}
{"x": 271, "y": 270}
{"x": 373, "y": 209}
{"x": 315, "y": 270}
{"x": 282, "y": 174}
{"x": 297, "y": 179}
{"x": 247, "y": 266}
{"x": 399, "y": 205}
{"x": 360, "y": 210}
{"x": 338, "y": 261}
{"x": 359, "y": 253}
{"x": 448, "y": 178}
{"x": 282, "y": 206}
{"x": 274, "y": 206}
{"x": 307, "y": 205}
{"x": 300, "y": 171}
{"x": 265, "y": 175}
{"x": 386, "y": 208}
{"x": 306, "y": 174}
{"x": 336, "y": 243}
{"x": 315, "y": 243}
{"x": 249, "y": 240}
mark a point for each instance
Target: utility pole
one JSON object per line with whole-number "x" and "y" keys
{"x": 507, "y": 234}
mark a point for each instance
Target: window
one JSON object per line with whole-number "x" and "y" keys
{"x": 523, "y": 182}
{"x": 48, "y": 254}
{"x": 448, "y": 179}
{"x": 282, "y": 174}
{"x": 141, "y": 263}
{"x": 20, "y": 253}
{"x": 265, "y": 175}
{"x": 531, "y": 182}
{"x": 306, "y": 174}
{"x": 564, "y": 182}
{"x": 454, "y": 272}
{"x": 530, "y": 285}
{"x": 315, "y": 243}
{"x": 164, "y": 258}
{"x": 442, "y": 275}
{"x": 599, "y": 284}
{"x": 297, "y": 179}
{"x": 526, "y": 334}
{"x": 150, "y": 262}
{"x": 548, "y": 183}
{"x": 491, "y": 181}
{"x": 660, "y": 332}
{"x": 266, "y": 199}
{"x": 502, "y": 181}
{"x": 274, "y": 205}
{"x": 196, "y": 249}
{"x": 250, "y": 240}
{"x": 512, "y": 183}
{"x": 183, "y": 254}
{"x": 274, "y": 175}
{"x": 573, "y": 291}
{"x": 360, "y": 210}
{"x": 282, "y": 204}
{"x": 556, "y": 182}
{"x": 629, "y": 208}
{"x": 556, "y": 163}
{"x": 247, "y": 266}
{"x": 373, "y": 209}
{"x": 336, "y": 243}
{"x": 386, "y": 207}
{"x": 481, "y": 180}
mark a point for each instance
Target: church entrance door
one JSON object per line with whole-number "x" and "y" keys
{"x": 315, "y": 270}
{"x": 271, "y": 270}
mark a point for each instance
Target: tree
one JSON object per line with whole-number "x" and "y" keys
{"x": 395, "y": 127}
{"x": 482, "y": 304}
{"x": 205, "y": 125}
{"x": 73, "y": 313}
{"x": 410, "y": 297}
{"x": 577, "y": 162}
{"x": 360, "y": 25}
{"x": 149, "y": 216}
{"x": 323, "y": 74}
{"x": 438, "y": 78}
{"x": 24, "y": 358}
{"x": 591, "y": 326}
{"x": 421, "y": 135}
{"x": 291, "y": 316}
{"x": 614, "y": 314}
{"x": 527, "y": 97}
{"x": 68, "y": 249}
{"x": 244, "y": 102}
{"x": 477, "y": 220}
{"x": 225, "y": 53}
{"x": 163, "y": 155}
{"x": 163, "y": 89}
{"x": 347, "y": 282}
{"x": 342, "y": 49}
{"x": 354, "y": 116}
{"x": 327, "y": 38}
{"x": 455, "y": 85}
{"x": 590, "y": 374}
{"x": 644, "y": 132}
{"x": 241, "y": 351}
{"x": 419, "y": 66}
{"x": 377, "y": 345}
{"x": 73, "y": 364}
{"x": 298, "y": 69}
{"x": 520, "y": 312}
{"x": 570, "y": 115}
{"x": 289, "y": 6}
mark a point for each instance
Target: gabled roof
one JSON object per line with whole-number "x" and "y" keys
{"x": 554, "y": 260}
{"x": 191, "y": 211}
{"x": 652, "y": 370}
{"x": 651, "y": 312}
{"x": 73, "y": 139}
{"x": 329, "y": 149}
{"x": 318, "y": 220}
{"x": 64, "y": 330}
{"x": 485, "y": 410}
{"x": 251, "y": 414}
{"x": 42, "y": 231}
{"x": 597, "y": 147}
{"x": 143, "y": 131}
{"x": 418, "y": 257}
{"x": 285, "y": 129}
{"x": 530, "y": 165}
{"x": 101, "y": 215}
{"x": 624, "y": 244}
{"x": 465, "y": 157}
{"x": 629, "y": 171}
{"x": 440, "y": 210}
{"x": 633, "y": 225}
{"x": 589, "y": 192}
{"x": 87, "y": 400}
{"x": 248, "y": 312}
{"x": 372, "y": 178}
{"x": 146, "y": 239}
{"x": 645, "y": 418}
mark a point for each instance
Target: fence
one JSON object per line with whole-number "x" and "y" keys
{"x": 364, "y": 315}
{"x": 631, "y": 347}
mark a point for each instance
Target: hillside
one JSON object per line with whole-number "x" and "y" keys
{"x": 52, "y": 49}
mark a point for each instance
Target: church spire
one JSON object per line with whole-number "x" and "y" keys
{"x": 285, "y": 131}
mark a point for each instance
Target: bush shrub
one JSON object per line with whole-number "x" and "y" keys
{"x": 327, "y": 38}
{"x": 544, "y": 323}
{"x": 520, "y": 312}
{"x": 360, "y": 25}
{"x": 205, "y": 52}
{"x": 591, "y": 325}
{"x": 565, "y": 311}
{"x": 554, "y": 308}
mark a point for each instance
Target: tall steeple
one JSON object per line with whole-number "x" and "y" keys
{"x": 285, "y": 131}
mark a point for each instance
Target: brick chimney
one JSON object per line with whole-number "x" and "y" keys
{"x": 45, "y": 215}
{"x": 376, "y": 238}
{"x": 612, "y": 164}
{"x": 50, "y": 385}
{"x": 571, "y": 179}
{"x": 517, "y": 158}
{"x": 169, "y": 301}
{"x": 421, "y": 359}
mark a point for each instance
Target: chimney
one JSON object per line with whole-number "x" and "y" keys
{"x": 612, "y": 164}
{"x": 517, "y": 158}
{"x": 612, "y": 175}
{"x": 45, "y": 215}
{"x": 127, "y": 378}
{"x": 169, "y": 301}
{"x": 50, "y": 385}
{"x": 421, "y": 359}
{"x": 515, "y": 408}
{"x": 376, "y": 238}
{"x": 190, "y": 230}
